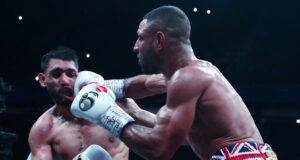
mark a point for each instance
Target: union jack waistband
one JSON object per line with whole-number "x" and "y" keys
{"x": 245, "y": 151}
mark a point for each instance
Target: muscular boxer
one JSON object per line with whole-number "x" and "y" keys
{"x": 202, "y": 108}
{"x": 57, "y": 134}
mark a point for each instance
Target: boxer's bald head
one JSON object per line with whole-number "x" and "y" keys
{"x": 60, "y": 52}
{"x": 162, "y": 31}
{"x": 171, "y": 20}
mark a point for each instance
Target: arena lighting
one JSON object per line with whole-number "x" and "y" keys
{"x": 36, "y": 78}
{"x": 20, "y": 18}
{"x": 195, "y": 9}
{"x": 208, "y": 11}
{"x": 88, "y": 55}
{"x": 298, "y": 121}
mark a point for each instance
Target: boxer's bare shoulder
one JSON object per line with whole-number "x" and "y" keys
{"x": 193, "y": 78}
{"x": 40, "y": 131}
{"x": 43, "y": 126}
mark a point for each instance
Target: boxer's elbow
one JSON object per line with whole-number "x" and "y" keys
{"x": 159, "y": 155}
{"x": 148, "y": 144}
{"x": 164, "y": 147}
{"x": 158, "y": 150}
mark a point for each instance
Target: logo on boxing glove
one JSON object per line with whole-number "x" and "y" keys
{"x": 88, "y": 100}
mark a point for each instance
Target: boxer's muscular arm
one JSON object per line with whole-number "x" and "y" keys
{"x": 173, "y": 121}
{"x": 145, "y": 85}
{"x": 142, "y": 117}
{"x": 38, "y": 138}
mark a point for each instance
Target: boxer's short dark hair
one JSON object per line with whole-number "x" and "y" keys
{"x": 59, "y": 52}
{"x": 173, "y": 17}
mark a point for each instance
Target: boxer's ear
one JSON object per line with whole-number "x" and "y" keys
{"x": 160, "y": 40}
{"x": 41, "y": 77}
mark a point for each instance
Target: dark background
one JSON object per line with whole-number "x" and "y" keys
{"x": 254, "y": 43}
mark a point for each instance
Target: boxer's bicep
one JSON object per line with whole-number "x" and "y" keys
{"x": 145, "y": 85}
{"x": 39, "y": 139}
{"x": 180, "y": 123}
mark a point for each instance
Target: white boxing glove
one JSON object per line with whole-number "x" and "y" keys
{"x": 97, "y": 104}
{"x": 86, "y": 77}
{"x": 29, "y": 156}
{"x": 117, "y": 86}
{"x": 93, "y": 152}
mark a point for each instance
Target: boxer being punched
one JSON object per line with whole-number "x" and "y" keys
{"x": 202, "y": 108}
{"x": 57, "y": 134}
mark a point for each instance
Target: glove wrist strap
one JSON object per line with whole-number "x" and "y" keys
{"x": 117, "y": 86}
{"x": 114, "y": 120}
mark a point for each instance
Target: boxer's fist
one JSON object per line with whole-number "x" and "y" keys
{"x": 93, "y": 152}
{"x": 92, "y": 101}
{"x": 97, "y": 104}
{"x": 86, "y": 77}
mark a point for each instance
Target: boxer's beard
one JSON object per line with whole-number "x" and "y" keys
{"x": 58, "y": 99}
{"x": 149, "y": 61}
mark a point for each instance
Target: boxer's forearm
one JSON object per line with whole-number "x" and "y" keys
{"x": 145, "y": 85}
{"x": 144, "y": 118}
{"x": 141, "y": 116}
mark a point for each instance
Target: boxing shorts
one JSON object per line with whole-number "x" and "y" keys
{"x": 245, "y": 151}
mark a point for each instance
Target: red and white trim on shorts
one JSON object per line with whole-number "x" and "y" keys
{"x": 245, "y": 151}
